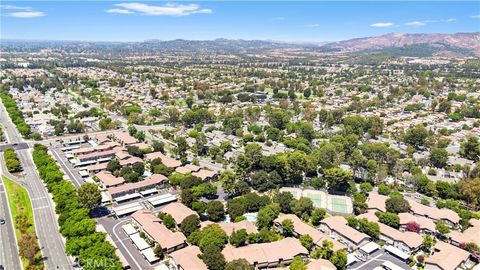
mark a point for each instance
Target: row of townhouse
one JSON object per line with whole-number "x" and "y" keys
{"x": 337, "y": 227}
{"x": 376, "y": 202}
{"x": 301, "y": 228}
{"x": 155, "y": 231}
{"x": 408, "y": 242}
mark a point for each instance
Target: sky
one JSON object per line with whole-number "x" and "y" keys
{"x": 318, "y": 21}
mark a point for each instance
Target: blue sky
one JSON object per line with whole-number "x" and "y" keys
{"x": 274, "y": 20}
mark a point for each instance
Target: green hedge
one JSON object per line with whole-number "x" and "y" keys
{"x": 11, "y": 161}
{"x": 88, "y": 246}
{"x": 14, "y": 113}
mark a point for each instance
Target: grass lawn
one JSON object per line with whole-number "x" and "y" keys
{"x": 297, "y": 94}
{"x": 20, "y": 204}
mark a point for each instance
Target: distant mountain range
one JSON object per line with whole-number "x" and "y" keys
{"x": 435, "y": 44}
{"x": 394, "y": 44}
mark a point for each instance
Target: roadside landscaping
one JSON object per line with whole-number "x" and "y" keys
{"x": 11, "y": 161}
{"x": 91, "y": 248}
{"x": 22, "y": 214}
{"x": 15, "y": 114}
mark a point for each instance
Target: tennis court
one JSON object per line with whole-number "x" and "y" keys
{"x": 339, "y": 204}
{"x": 318, "y": 198}
{"x": 321, "y": 199}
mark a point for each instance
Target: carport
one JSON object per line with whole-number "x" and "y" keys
{"x": 397, "y": 252}
{"x": 369, "y": 248}
{"x": 351, "y": 259}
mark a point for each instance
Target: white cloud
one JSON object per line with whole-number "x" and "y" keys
{"x": 415, "y": 23}
{"x": 10, "y": 7}
{"x": 425, "y": 22}
{"x": 441, "y": 21}
{"x": 475, "y": 16}
{"x": 119, "y": 11}
{"x": 169, "y": 9}
{"x": 26, "y": 14}
{"x": 381, "y": 24}
{"x": 312, "y": 25}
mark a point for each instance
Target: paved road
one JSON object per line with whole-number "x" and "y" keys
{"x": 51, "y": 242}
{"x": 16, "y": 146}
{"x": 73, "y": 174}
{"x": 123, "y": 242}
{"x": 8, "y": 245}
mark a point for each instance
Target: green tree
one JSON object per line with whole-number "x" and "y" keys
{"x": 139, "y": 168}
{"x": 236, "y": 208}
{"x": 90, "y": 195}
{"x": 266, "y": 215}
{"x": 297, "y": 264}
{"x": 215, "y": 211}
{"x": 158, "y": 251}
{"x": 390, "y": 219}
{"x": 384, "y": 189}
{"x": 338, "y": 179}
{"x": 182, "y": 147}
{"x": 287, "y": 227}
{"x": 442, "y": 228}
{"x": 278, "y": 119}
{"x": 228, "y": 180}
{"x": 211, "y": 235}
{"x": 370, "y": 228}
{"x": 339, "y": 259}
{"x": 158, "y": 146}
{"x": 470, "y": 188}
{"x": 212, "y": 257}
{"x": 190, "y": 224}
{"x": 238, "y": 238}
{"x": 366, "y": 187}
{"x": 261, "y": 181}
{"x": 284, "y": 199}
{"x": 187, "y": 197}
{"x": 243, "y": 165}
{"x": 318, "y": 215}
{"x": 306, "y": 241}
{"x": 239, "y": 264}
{"x": 444, "y": 189}
{"x": 204, "y": 189}
{"x": 167, "y": 220}
{"x": 11, "y": 160}
{"x": 397, "y": 204}
{"x": 254, "y": 152}
{"x": 428, "y": 243}
{"x": 438, "y": 157}
{"x": 416, "y": 136}
{"x": 113, "y": 165}
{"x": 470, "y": 148}
{"x": 303, "y": 208}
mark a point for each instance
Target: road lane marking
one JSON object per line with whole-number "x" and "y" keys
{"x": 41, "y": 207}
{"x": 39, "y": 198}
